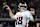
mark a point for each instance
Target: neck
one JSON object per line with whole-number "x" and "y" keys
{"x": 33, "y": 14}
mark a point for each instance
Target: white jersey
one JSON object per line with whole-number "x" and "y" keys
{"x": 22, "y": 17}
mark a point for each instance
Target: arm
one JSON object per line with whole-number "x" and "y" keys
{"x": 30, "y": 16}
{"x": 10, "y": 12}
{"x": 33, "y": 20}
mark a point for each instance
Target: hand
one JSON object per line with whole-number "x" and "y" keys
{"x": 8, "y": 8}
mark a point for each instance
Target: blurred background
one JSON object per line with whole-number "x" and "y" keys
{"x": 4, "y": 14}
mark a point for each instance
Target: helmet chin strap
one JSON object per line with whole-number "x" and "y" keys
{"x": 22, "y": 10}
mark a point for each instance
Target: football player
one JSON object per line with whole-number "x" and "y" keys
{"x": 22, "y": 16}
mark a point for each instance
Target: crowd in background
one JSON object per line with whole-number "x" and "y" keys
{"x": 14, "y": 7}
{"x": 14, "y": 3}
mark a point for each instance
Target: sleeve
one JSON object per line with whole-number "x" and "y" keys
{"x": 15, "y": 16}
{"x": 30, "y": 16}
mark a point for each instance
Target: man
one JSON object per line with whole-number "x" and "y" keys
{"x": 20, "y": 16}
{"x": 32, "y": 10}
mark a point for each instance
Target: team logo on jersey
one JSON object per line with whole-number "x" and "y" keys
{"x": 19, "y": 15}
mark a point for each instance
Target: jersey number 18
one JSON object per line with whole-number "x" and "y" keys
{"x": 19, "y": 20}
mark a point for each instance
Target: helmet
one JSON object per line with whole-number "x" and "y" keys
{"x": 22, "y": 4}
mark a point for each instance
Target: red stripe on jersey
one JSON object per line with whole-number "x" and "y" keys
{"x": 26, "y": 24}
{"x": 19, "y": 21}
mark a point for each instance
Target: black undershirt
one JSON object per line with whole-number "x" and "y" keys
{"x": 33, "y": 16}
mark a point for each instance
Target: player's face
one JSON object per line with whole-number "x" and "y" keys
{"x": 32, "y": 10}
{"x": 23, "y": 7}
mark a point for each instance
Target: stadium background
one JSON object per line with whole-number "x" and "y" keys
{"x": 13, "y": 5}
